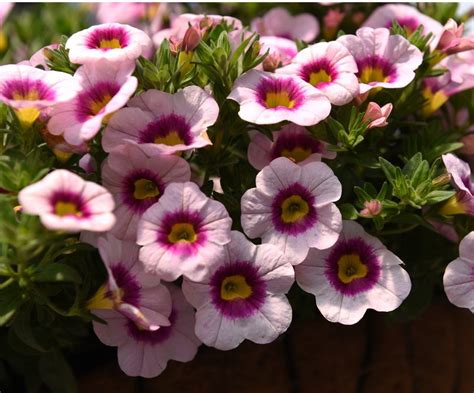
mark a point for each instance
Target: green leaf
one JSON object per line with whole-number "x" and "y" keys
{"x": 389, "y": 170}
{"x": 10, "y": 301}
{"x": 57, "y": 272}
{"x": 56, "y": 373}
{"x": 438, "y": 196}
{"x": 23, "y": 327}
{"x": 348, "y": 211}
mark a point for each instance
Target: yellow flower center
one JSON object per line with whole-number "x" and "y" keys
{"x": 294, "y": 209}
{"x": 97, "y": 106}
{"x": 145, "y": 188}
{"x": 320, "y": 76}
{"x": 276, "y": 99}
{"x": 351, "y": 268}
{"x": 453, "y": 206}
{"x": 114, "y": 43}
{"x": 435, "y": 101}
{"x": 296, "y": 154}
{"x": 31, "y": 95}
{"x": 182, "y": 233}
{"x": 104, "y": 299}
{"x": 67, "y": 209}
{"x": 235, "y": 287}
{"x": 372, "y": 74}
{"x": 172, "y": 138}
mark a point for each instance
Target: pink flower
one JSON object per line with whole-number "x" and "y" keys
{"x": 328, "y": 66}
{"x": 111, "y": 41}
{"x": 371, "y": 208}
{"x": 458, "y": 277}
{"x": 267, "y": 98}
{"x": 130, "y": 13}
{"x": 331, "y": 22}
{"x": 137, "y": 182}
{"x": 452, "y": 41}
{"x": 292, "y": 207}
{"x": 355, "y": 274}
{"x": 5, "y": 8}
{"x": 30, "y": 91}
{"x": 291, "y": 141}
{"x": 180, "y": 25}
{"x": 88, "y": 163}
{"x": 162, "y": 123}
{"x": 280, "y": 51}
{"x": 129, "y": 290}
{"x": 383, "y": 60}
{"x": 64, "y": 201}
{"x": 146, "y": 353}
{"x": 377, "y": 116}
{"x": 407, "y": 17}
{"x": 279, "y": 22}
{"x": 181, "y": 232}
{"x": 106, "y": 87}
{"x": 242, "y": 296}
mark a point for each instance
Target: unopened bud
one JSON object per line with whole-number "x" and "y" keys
{"x": 191, "y": 39}
{"x": 371, "y": 208}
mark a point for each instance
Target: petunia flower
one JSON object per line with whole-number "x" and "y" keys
{"x": 280, "y": 51}
{"x": 280, "y": 23}
{"x": 146, "y": 353}
{"x": 181, "y": 232}
{"x": 163, "y": 123}
{"x": 376, "y": 116}
{"x": 137, "y": 181}
{"x": 129, "y": 290}
{"x": 291, "y": 207}
{"x": 242, "y": 296}
{"x": 180, "y": 25}
{"x": 64, "y": 201}
{"x": 460, "y": 172}
{"x": 452, "y": 41}
{"x": 106, "y": 87}
{"x": 291, "y": 141}
{"x": 330, "y": 67}
{"x": 383, "y": 60}
{"x": 267, "y": 98}
{"x": 407, "y": 17}
{"x": 29, "y": 90}
{"x": 458, "y": 277}
{"x": 355, "y": 274}
{"x": 113, "y": 42}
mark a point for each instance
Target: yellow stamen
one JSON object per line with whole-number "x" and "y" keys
{"x": 114, "y": 43}
{"x": 319, "y": 77}
{"x": 372, "y": 74}
{"x": 235, "y": 287}
{"x": 274, "y": 100}
{"x": 294, "y": 209}
{"x": 172, "y": 138}
{"x": 351, "y": 268}
{"x": 145, "y": 188}
{"x": 182, "y": 233}
{"x": 66, "y": 209}
{"x": 297, "y": 154}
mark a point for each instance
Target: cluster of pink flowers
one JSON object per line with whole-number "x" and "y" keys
{"x": 156, "y": 226}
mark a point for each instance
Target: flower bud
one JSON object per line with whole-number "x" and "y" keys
{"x": 376, "y": 116}
{"x": 451, "y": 40}
{"x": 371, "y": 208}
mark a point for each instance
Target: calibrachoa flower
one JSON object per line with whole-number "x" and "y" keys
{"x": 376, "y": 116}
{"x": 106, "y": 87}
{"x": 355, "y": 274}
{"x": 383, "y": 60}
{"x": 111, "y": 41}
{"x": 463, "y": 201}
{"x": 129, "y": 290}
{"x": 292, "y": 208}
{"x": 291, "y": 141}
{"x": 330, "y": 67}
{"x": 279, "y": 22}
{"x": 146, "y": 353}
{"x": 64, "y": 201}
{"x": 280, "y": 51}
{"x": 29, "y": 90}
{"x": 458, "y": 277}
{"x": 181, "y": 232}
{"x": 137, "y": 181}
{"x": 407, "y": 17}
{"x": 267, "y": 98}
{"x": 452, "y": 41}
{"x": 162, "y": 123}
{"x": 242, "y": 296}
